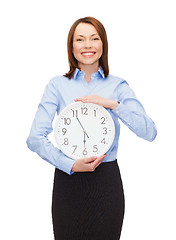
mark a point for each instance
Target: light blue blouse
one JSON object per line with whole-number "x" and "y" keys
{"x": 61, "y": 91}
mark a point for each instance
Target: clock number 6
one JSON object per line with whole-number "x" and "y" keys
{"x": 85, "y": 152}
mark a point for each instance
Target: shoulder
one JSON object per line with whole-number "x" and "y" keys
{"x": 115, "y": 79}
{"x": 58, "y": 79}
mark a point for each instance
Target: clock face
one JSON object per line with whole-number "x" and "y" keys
{"x": 84, "y": 130}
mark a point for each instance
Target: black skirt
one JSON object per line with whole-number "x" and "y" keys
{"x": 88, "y": 205}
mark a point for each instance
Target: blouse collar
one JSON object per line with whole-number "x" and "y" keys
{"x": 100, "y": 71}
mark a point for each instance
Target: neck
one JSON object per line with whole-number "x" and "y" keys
{"x": 89, "y": 70}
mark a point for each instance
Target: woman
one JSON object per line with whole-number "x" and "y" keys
{"x": 88, "y": 197}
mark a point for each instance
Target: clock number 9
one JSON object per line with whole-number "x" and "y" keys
{"x": 64, "y": 130}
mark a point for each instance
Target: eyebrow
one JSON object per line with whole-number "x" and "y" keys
{"x": 91, "y": 35}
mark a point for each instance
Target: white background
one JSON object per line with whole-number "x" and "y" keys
{"x": 142, "y": 50}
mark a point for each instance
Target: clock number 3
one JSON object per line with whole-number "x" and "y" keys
{"x": 105, "y": 130}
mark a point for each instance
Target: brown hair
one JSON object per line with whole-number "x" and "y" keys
{"x": 103, "y": 61}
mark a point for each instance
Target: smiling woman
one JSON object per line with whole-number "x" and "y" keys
{"x": 87, "y": 48}
{"x": 88, "y": 198}
{"x": 87, "y": 40}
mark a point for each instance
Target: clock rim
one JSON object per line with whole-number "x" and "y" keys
{"x": 58, "y": 117}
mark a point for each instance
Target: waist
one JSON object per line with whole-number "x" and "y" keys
{"x": 109, "y": 159}
{"x": 104, "y": 180}
{"x": 106, "y": 168}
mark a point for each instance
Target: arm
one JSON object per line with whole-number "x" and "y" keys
{"x": 42, "y": 126}
{"x": 87, "y": 164}
{"x": 132, "y": 114}
{"x": 128, "y": 109}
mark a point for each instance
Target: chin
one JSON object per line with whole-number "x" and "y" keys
{"x": 89, "y": 61}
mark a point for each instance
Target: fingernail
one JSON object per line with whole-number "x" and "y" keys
{"x": 105, "y": 155}
{"x": 95, "y": 157}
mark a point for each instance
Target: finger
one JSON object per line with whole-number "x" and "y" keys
{"x": 81, "y": 98}
{"x": 98, "y": 164}
{"x": 97, "y": 161}
{"x": 90, "y": 159}
{"x": 100, "y": 159}
{"x": 84, "y": 100}
{"x": 89, "y": 100}
{"x": 77, "y": 99}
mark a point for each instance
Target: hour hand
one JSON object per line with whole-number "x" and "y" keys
{"x": 86, "y": 134}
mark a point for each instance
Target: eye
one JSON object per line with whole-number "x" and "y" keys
{"x": 79, "y": 40}
{"x": 96, "y": 39}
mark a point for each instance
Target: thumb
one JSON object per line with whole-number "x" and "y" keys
{"x": 90, "y": 159}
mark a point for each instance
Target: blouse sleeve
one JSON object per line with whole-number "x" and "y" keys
{"x": 42, "y": 126}
{"x": 131, "y": 112}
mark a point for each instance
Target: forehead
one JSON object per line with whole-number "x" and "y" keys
{"x": 85, "y": 29}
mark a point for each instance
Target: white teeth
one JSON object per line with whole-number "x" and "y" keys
{"x": 87, "y": 54}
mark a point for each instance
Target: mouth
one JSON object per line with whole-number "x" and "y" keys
{"x": 88, "y": 54}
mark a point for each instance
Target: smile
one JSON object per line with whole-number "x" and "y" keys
{"x": 88, "y": 54}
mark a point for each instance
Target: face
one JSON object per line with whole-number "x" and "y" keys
{"x": 87, "y": 45}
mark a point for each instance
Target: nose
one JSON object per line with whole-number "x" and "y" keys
{"x": 88, "y": 44}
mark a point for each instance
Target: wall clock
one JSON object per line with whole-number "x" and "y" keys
{"x": 83, "y": 130}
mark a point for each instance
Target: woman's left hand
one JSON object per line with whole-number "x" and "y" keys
{"x": 104, "y": 102}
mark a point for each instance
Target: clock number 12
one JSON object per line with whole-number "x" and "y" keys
{"x": 84, "y": 110}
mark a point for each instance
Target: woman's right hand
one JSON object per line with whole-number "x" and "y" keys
{"x": 87, "y": 164}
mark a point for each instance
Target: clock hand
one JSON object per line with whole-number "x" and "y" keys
{"x": 82, "y": 126}
{"x": 84, "y": 140}
{"x": 86, "y": 133}
{"x": 80, "y": 123}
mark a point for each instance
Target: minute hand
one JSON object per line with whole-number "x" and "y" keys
{"x": 82, "y": 127}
